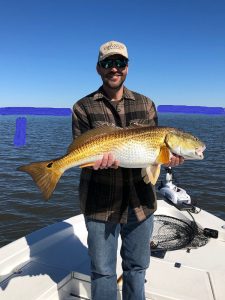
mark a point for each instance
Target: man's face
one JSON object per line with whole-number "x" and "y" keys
{"x": 114, "y": 76}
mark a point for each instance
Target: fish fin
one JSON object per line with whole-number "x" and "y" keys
{"x": 164, "y": 155}
{"x": 44, "y": 174}
{"x": 91, "y": 164}
{"x": 91, "y": 134}
{"x": 135, "y": 125}
{"x": 98, "y": 124}
{"x": 151, "y": 173}
{"x": 138, "y": 123}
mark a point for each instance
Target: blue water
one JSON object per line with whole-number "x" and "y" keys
{"x": 22, "y": 209}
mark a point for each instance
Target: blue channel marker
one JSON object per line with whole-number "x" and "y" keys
{"x": 20, "y": 133}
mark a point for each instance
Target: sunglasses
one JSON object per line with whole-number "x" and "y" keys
{"x": 109, "y": 63}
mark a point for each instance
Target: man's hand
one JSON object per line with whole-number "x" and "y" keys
{"x": 108, "y": 161}
{"x": 175, "y": 160}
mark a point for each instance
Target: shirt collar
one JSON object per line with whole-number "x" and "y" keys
{"x": 127, "y": 94}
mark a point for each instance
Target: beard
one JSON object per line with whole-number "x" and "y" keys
{"x": 112, "y": 84}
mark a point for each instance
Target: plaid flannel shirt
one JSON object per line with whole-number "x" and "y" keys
{"x": 106, "y": 194}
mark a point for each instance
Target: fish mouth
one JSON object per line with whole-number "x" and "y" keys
{"x": 199, "y": 152}
{"x": 194, "y": 154}
{"x": 200, "y": 156}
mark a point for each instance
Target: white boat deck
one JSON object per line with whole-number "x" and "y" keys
{"x": 53, "y": 263}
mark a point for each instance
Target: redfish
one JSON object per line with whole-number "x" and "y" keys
{"x": 136, "y": 146}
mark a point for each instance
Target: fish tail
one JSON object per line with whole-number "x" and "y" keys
{"x": 45, "y": 174}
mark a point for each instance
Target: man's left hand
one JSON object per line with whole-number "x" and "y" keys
{"x": 175, "y": 160}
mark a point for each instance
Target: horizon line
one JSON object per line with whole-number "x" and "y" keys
{"x": 51, "y": 111}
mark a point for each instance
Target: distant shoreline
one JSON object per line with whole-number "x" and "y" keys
{"x": 191, "y": 109}
{"x": 50, "y": 111}
{"x": 40, "y": 111}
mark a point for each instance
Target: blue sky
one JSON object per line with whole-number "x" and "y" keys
{"x": 49, "y": 48}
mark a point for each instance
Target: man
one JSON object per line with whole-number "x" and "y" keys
{"x": 116, "y": 200}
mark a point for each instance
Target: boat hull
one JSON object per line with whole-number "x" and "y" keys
{"x": 53, "y": 263}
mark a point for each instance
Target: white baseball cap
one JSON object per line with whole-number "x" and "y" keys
{"x": 112, "y": 48}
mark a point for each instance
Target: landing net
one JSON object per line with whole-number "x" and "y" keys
{"x": 172, "y": 234}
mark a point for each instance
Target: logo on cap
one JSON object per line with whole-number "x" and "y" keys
{"x": 113, "y": 46}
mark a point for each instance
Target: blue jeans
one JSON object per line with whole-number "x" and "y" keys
{"x": 135, "y": 253}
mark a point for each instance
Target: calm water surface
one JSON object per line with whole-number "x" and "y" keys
{"x": 22, "y": 209}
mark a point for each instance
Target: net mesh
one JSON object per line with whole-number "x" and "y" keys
{"x": 172, "y": 234}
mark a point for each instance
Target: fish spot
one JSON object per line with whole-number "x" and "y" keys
{"x": 50, "y": 165}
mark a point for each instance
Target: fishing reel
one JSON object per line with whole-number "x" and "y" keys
{"x": 173, "y": 193}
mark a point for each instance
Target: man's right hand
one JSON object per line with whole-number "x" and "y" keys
{"x": 108, "y": 161}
